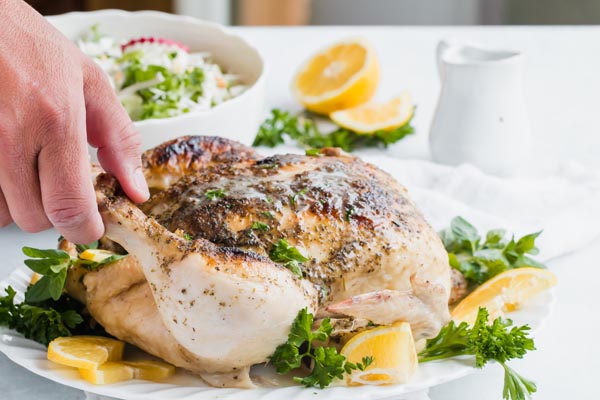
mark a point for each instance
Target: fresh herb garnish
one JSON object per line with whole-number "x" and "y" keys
{"x": 42, "y": 324}
{"x": 479, "y": 260}
{"x": 294, "y": 198}
{"x": 215, "y": 194}
{"x": 313, "y": 153}
{"x": 499, "y": 341}
{"x": 327, "y": 363}
{"x": 187, "y": 236}
{"x": 47, "y": 312}
{"x": 48, "y": 320}
{"x": 268, "y": 166}
{"x": 53, "y": 265}
{"x": 304, "y": 130}
{"x": 285, "y": 253}
{"x": 260, "y": 226}
{"x": 83, "y": 247}
{"x": 267, "y": 214}
{"x": 349, "y": 213}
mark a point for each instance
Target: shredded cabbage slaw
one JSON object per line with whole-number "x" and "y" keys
{"x": 158, "y": 78}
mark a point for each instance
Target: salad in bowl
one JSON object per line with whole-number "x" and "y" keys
{"x": 156, "y": 77}
{"x": 174, "y": 74}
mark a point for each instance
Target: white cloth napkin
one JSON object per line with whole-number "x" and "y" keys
{"x": 565, "y": 204}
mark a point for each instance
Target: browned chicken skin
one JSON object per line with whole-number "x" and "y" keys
{"x": 371, "y": 254}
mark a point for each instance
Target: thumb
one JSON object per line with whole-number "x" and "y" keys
{"x": 110, "y": 130}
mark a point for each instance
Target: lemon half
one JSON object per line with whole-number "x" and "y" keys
{"x": 340, "y": 76}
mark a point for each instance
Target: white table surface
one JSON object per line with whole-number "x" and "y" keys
{"x": 562, "y": 90}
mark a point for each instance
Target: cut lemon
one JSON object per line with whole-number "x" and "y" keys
{"x": 95, "y": 255}
{"x": 151, "y": 370}
{"x": 373, "y": 117}
{"x": 113, "y": 372}
{"x": 504, "y": 293}
{"x": 393, "y": 352}
{"x": 107, "y": 373}
{"x": 35, "y": 278}
{"x": 340, "y": 76}
{"x": 87, "y": 352}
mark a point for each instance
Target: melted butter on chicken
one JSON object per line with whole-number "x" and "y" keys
{"x": 372, "y": 256}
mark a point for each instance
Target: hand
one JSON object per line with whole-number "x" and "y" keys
{"x": 51, "y": 98}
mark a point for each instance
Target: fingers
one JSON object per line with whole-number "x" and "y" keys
{"x": 19, "y": 183}
{"x": 111, "y": 131}
{"x": 5, "y": 218}
{"x": 65, "y": 178}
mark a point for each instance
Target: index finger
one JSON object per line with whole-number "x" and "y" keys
{"x": 111, "y": 131}
{"x": 65, "y": 179}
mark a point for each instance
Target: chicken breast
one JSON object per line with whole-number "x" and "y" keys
{"x": 369, "y": 253}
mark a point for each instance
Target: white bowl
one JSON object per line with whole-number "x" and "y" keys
{"x": 237, "y": 118}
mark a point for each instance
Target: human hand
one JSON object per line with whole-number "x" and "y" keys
{"x": 53, "y": 100}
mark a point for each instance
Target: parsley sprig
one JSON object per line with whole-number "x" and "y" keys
{"x": 260, "y": 226}
{"x": 53, "y": 265}
{"x": 215, "y": 194}
{"x": 47, "y": 312}
{"x": 304, "y": 130}
{"x": 284, "y": 252}
{"x": 499, "y": 341}
{"x": 327, "y": 363}
{"x": 42, "y": 324}
{"x": 480, "y": 259}
{"x": 48, "y": 320}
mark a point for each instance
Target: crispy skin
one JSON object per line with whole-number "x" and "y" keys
{"x": 371, "y": 254}
{"x": 220, "y": 307}
{"x": 357, "y": 225}
{"x": 166, "y": 163}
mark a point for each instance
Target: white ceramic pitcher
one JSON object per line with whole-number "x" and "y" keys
{"x": 481, "y": 116}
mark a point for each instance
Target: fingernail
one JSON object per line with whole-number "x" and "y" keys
{"x": 140, "y": 183}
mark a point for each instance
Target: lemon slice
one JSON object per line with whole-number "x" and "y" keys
{"x": 107, "y": 373}
{"x": 340, "y": 76}
{"x": 85, "y": 351}
{"x": 34, "y": 278}
{"x": 373, "y": 117}
{"x": 114, "y": 372}
{"x": 504, "y": 293}
{"x": 95, "y": 255}
{"x": 393, "y": 352}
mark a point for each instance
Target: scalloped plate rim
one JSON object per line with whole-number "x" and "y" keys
{"x": 141, "y": 390}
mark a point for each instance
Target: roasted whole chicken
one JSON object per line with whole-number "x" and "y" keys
{"x": 199, "y": 288}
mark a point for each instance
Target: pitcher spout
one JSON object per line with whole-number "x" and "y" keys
{"x": 455, "y": 53}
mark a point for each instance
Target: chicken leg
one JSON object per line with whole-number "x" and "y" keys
{"x": 227, "y": 307}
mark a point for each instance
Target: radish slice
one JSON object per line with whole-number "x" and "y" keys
{"x": 155, "y": 40}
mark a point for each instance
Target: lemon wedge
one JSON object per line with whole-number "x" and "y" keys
{"x": 151, "y": 370}
{"x": 114, "y": 372}
{"x": 35, "y": 278}
{"x": 107, "y": 373}
{"x": 373, "y": 116}
{"x": 86, "y": 352}
{"x": 393, "y": 352}
{"x": 504, "y": 293}
{"x": 340, "y": 76}
{"x": 95, "y": 255}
